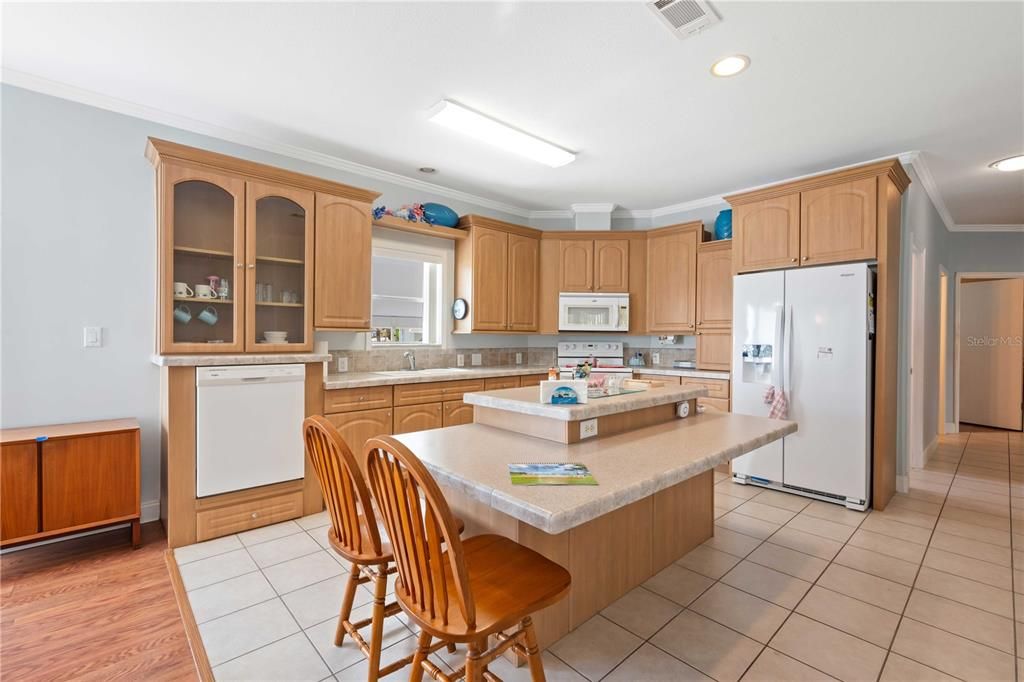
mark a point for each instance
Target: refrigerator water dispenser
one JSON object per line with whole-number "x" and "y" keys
{"x": 757, "y": 363}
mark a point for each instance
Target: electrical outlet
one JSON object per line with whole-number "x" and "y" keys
{"x": 460, "y": 360}
{"x": 519, "y": 358}
{"x": 655, "y": 358}
{"x": 476, "y": 359}
{"x": 342, "y": 364}
{"x": 92, "y": 337}
{"x": 588, "y": 428}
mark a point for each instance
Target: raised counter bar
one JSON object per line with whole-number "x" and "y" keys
{"x": 654, "y": 501}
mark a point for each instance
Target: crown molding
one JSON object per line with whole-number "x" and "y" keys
{"x": 592, "y": 208}
{"x": 45, "y": 86}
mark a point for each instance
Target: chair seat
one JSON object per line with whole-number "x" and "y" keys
{"x": 368, "y": 557}
{"x": 508, "y": 582}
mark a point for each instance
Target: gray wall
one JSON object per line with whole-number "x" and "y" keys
{"x": 79, "y": 248}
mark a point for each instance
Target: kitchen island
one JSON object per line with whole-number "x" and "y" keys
{"x": 653, "y": 502}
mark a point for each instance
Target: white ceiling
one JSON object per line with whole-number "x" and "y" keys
{"x": 830, "y": 84}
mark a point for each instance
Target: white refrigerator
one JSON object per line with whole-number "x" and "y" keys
{"x": 808, "y": 331}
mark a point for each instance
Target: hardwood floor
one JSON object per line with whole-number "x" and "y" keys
{"x": 90, "y": 609}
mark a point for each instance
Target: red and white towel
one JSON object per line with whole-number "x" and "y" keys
{"x": 775, "y": 397}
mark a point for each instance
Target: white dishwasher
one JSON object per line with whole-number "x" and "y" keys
{"x": 248, "y": 426}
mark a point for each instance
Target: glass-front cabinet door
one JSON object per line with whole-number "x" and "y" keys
{"x": 279, "y": 268}
{"x": 202, "y": 245}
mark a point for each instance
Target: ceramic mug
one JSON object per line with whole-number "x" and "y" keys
{"x": 183, "y": 290}
{"x": 205, "y": 291}
{"x": 209, "y": 315}
{"x": 182, "y": 313}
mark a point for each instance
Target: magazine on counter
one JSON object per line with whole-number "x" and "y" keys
{"x": 557, "y": 473}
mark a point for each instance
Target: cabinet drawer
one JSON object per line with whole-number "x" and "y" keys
{"x": 214, "y": 523}
{"x": 501, "y": 382}
{"x": 532, "y": 379}
{"x": 717, "y": 388}
{"x": 435, "y": 391}
{"x": 351, "y": 399}
{"x": 714, "y": 404}
{"x": 668, "y": 379}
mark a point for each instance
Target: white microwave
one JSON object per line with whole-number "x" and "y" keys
{"x": 593, "y": 312}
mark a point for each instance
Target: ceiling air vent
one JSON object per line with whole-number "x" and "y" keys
{"x": 684, "y": 17}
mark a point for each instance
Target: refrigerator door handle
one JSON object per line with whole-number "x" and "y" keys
{"x": 788, "y": 352}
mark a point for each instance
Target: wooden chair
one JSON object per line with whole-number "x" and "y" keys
{"x": 355, "y": 536}
{"x": 474, "y": 589}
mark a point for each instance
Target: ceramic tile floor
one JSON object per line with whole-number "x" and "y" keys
{"x": 932, "y": 588}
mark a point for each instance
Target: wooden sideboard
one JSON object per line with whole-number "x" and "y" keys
{"x": 67, "y": 478}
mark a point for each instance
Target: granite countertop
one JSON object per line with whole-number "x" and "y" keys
{"x": 237, "y": 359}
{"x": 674, "y": 372}
{"x": 527, "y": 401}
{"x": 473, "y": 459}
{"x": 365, "y": 379}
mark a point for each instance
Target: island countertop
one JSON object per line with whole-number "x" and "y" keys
{"x": 473, "y": 459}
{"x": 527, "y": 401}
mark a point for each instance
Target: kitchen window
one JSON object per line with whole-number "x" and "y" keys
{"x": 406, "y": 307}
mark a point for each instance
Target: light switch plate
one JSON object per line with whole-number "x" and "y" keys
{"x": 92, "y": 337}
{"x": 460, "y": 360}
{"x": 342, "y": 364}
{"x": 519, "y": 358}
{"x": 655, "y": 358}
{"x": 476, "y": 359}
{"x": 588, "y": 428}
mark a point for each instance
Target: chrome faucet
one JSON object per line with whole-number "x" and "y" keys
{"x": 408, "y": 355}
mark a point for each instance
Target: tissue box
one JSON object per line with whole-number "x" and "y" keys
{"x": 564, "y": 391}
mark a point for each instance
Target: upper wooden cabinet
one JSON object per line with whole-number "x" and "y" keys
{"x": 714, "y": 285}
{"x": 838, "y": 223}
{"x": 344, "y": 254}
{"x": 284, "y": 251}
{"x": 599, "y": 265}
{"x": 832, "y": 218}
{"x": 497, "y": 271}
{"x": 576, "y": 266}
{"x": 523, "y": 282}
{"x": 672, "y": 278}
{"x": 766, "y": 234}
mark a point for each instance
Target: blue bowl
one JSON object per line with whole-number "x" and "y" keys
{"x": 723, "y": 224}
{"x": 439, "y": 214}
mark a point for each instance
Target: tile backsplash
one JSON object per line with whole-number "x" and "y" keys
{"x": 389, "y": 359}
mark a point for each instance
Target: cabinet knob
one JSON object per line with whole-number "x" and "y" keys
{"x": 239, "y": 264}
{"x": 792, "y": 260}
{"x": 362, "y": 397}
{"x": 252, "y": 266}
{"x": 255, "y": 515}
{"x": 805, "y": 257}
{"x": 699, "y": 333}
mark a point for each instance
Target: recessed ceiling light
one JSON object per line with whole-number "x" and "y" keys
{"x": 1014, "y": 163}
{"x": 427, "y": 169}
{"x": 468, "y": 122}
{"x": 730, "y": 66}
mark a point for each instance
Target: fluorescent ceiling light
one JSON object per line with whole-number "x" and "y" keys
{"x": 730, "y": 66}
{"x": 469, "y": 122}
{"x": 1014, "y": 163}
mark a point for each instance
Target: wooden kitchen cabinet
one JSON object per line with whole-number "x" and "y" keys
{"x": 576, "y": 266}
{"x": 498, "y": 383}
{"x": 523, "y": 283}
{"x": 418, "y": 417}
{"x": 358, "y": 427}
{"x": 19, "y": 490}
{"x": 456, "y": 412}
{"x": 497, "y": 272}
{"x": 279, "y": 256}
{"x": 714, "y": 285}
{"x": 714, "y": 349}
{"x": 672, "y": 278}
{"x": 766, "y": 234}
{"x": 838, "y": 223}
{"x": 532, "y": 380}
{"x": 344, "y": 253}
{"x": 611, "y": 266}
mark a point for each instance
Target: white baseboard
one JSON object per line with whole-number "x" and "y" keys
{"x": 930, "y": 450}
{"x": 150, "y": 511}
{"x": 902, "y": 484}
{"x": 951, "y": 427}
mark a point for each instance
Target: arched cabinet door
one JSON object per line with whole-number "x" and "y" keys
{"x": 839, "y": 223}
{"x": 279, "y": 268}
{"x": 766, "y": 234}
{"x": 202, "y": 241}
{"x": 611, "y": 266}
{"x": 576, "y": 265}
{"x": 344, "y": 233}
